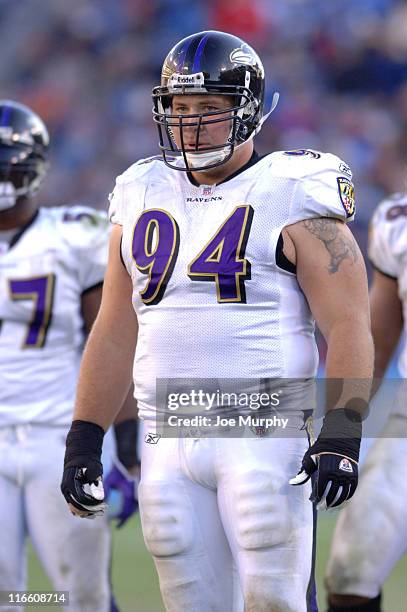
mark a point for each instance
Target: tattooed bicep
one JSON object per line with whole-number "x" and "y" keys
{"x": 339, "y": 243}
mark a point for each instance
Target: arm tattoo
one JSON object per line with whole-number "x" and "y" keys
{"x": 338, "y": 245}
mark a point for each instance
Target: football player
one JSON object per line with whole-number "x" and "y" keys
{"x": 226, "y": 258}
{"x": 356, "y": 574}
{"x": 52, "y": 264}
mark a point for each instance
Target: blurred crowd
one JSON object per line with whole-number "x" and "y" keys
{"x": 88, "y": 66}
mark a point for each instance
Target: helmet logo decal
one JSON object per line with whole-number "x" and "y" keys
{"x": 242, "y": 55}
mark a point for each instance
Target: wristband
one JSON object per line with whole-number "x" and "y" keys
{"x": 340, "y": 434}
{"x": 84, "y": 441}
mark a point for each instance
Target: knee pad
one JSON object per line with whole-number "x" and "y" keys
{"x": 166, "y": 517}
{"x": 261, "y": 512}
{"x": 373, "y": 605}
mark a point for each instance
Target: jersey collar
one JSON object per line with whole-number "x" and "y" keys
{"x": 253, "y": 160}
{"x": 23, "y": 229}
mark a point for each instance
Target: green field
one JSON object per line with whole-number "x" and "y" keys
{"x": 136, "y": 587}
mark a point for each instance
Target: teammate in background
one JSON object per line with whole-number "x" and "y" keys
{"x": 226, "y": 258}
{"x": 377, "y": 523}
{"x": 52, "y": 264}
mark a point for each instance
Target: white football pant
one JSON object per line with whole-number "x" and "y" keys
{"x": 226, "y": 530}
{"x": 371, "y": 532}
{"x": 75, "y": 553}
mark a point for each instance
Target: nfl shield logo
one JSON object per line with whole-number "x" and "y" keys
{"x": 207, "y": 190}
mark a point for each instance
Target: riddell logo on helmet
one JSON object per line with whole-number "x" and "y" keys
{"x": 185, "y": 79}
{"x": 180, "y": 80}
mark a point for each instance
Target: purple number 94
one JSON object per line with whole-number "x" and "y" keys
{"x": 222, "y": 258}
{"x": 155, "y": 250}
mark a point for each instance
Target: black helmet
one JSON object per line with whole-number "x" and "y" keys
{"x": 24, "y": 144}
{"x": 209, "y": 63}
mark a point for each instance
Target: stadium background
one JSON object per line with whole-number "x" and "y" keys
{"x": 88, "y": 66}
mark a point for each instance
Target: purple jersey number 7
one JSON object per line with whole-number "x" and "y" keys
{"x": 40, "y": 290}
{"x": 155, "y": 249}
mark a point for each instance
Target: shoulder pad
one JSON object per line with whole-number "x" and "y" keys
{"x": 132, "y": 184}
{"x": 390, "y": 209}
{"x": 142, "y": 168}
{"x": 387, "y": 235}
{"x": 83, "y": 226}
{"x": 298, "y": 163}
{"x": 323, "y": 186}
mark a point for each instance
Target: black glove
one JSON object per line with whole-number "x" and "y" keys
{"x": 334, "y": 457}
{"x": 82, "y": 478}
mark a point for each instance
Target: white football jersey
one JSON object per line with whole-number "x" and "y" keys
{"x": 388, "y": 250}
{"x": 211, "y": 298}
{"x": 43, "y": 274}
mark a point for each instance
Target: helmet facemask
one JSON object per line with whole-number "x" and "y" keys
{"x": 19, "y": 181}
{"x": 241, "y": 115}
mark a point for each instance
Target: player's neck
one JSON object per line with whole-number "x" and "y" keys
{"x": 18, "y": 215}
{"x": 239, "y": 158}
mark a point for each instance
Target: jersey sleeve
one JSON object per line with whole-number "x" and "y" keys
{"x": 128, "y": 190}
{"x": 86, "y": 233}
{"x": 324, "y": 188}
{"x": 116, "y": 200}
{"x": 384, "y": 231}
